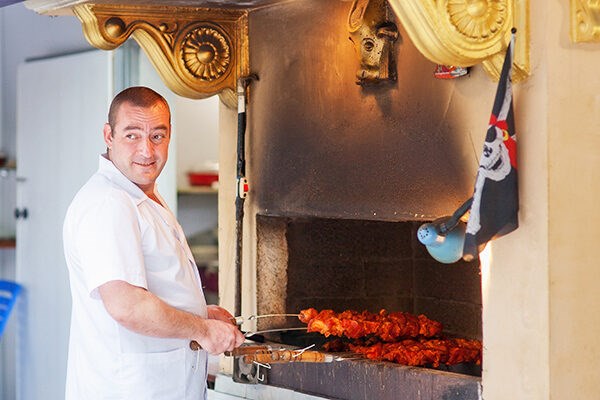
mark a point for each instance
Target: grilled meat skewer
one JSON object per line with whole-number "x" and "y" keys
{"x": 388, "y": 327}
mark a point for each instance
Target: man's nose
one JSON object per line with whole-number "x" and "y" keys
{"x": 145, "y": 147}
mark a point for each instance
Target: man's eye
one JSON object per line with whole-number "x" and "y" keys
{"x": 130, "y": 136}
{"x": 159, "y": 137}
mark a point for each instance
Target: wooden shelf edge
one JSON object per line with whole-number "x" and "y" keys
{"x": 197, "y": 190}
{"x": 8, "y": 243}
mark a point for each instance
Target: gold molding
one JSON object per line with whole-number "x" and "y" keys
{"x": 198, "y": 52}
{"x": 468, "y": 32}
{"x": 585, "y": 21}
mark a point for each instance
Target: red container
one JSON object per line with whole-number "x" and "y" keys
{"x": 202, "y": 178}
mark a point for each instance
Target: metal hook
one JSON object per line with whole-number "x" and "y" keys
{"x": 267, "y": 366}
{"x": 259, "y": 377}
{"x": 252, "y": 317}
{"x": 299, "y": 352}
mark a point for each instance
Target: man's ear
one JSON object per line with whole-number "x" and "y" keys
{"x": 108, "y": 138}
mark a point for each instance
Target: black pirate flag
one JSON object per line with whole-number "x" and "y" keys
{"x": 496, "y": 196}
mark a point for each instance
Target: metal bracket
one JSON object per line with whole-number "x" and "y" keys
{"x": 248, "y": 373}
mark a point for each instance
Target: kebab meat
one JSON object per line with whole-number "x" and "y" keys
{"x": 398, "y": 337}
{"x": 389, "y": 327}
{"x": 423, "y": 351}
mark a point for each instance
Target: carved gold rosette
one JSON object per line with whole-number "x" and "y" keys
{"x": 468, "y": 32}
{"x": 585, "y": 20}
{"x": 198, "y": 52}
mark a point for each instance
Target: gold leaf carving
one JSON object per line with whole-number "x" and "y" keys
{"x": 357, "y": 13}
{"x": 477, "y": 19}
{"x": 585, "y": 21}
{"x": 468, "y": 32}
{"x": 206, "y": 53}
{"x": 197, "y": 52}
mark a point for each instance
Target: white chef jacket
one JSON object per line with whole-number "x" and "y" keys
{"x": 113, "y": 231}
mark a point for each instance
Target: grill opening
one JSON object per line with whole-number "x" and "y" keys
{"x": 361, "y": 265}
{"x": 369, "y": 265}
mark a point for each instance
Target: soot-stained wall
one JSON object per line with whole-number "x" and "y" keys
{"x": 321, "y": 145}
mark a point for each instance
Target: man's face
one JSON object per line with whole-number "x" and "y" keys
{"x": 139, "y": 143}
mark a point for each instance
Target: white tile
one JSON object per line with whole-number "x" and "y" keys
{"x": 262, "y": 392}
{"x": 225, "y": 386}
{"x": 212, "y": 395}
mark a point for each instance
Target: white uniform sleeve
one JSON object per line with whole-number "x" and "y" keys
{"x": 110, "y": 244}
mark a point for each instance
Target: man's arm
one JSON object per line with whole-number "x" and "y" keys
{"x": 141, "y": 311}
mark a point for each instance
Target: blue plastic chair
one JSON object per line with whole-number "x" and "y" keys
{"x": 8, "y": 295}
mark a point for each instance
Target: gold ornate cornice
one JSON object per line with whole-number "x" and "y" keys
{"x": 468, "y": 32}
{"x": 585, "y": 20}
{"x": 198, "y": 52}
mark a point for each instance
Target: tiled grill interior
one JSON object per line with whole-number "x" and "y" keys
{"x": 358, "y": 264}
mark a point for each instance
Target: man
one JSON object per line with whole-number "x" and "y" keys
{"x": 137, "y": 295}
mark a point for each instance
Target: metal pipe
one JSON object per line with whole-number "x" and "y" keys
{"x": 242, "y": 188}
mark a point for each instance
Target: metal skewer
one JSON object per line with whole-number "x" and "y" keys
{"x": 196, "y": 346}
{"x": 240, "y": 320}
{"x": 252, "y": 333}
{"x": 250, "y": 318}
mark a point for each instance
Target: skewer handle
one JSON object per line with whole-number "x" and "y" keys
{"x": 251, "y": 349}
{"x": 285, "y": 356}
{"x": 243, "y": 350}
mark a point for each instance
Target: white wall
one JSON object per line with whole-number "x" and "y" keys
{"x": 23, "y": 35}
{"x": 29, "y": 35}
{"x": 197, "y": 125}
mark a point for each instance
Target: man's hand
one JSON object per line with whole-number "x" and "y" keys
{"x": 217, "y": 312}
{"x": 220, "y": 336}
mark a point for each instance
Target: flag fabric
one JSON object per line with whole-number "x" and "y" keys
{"x": 495, "y": 207}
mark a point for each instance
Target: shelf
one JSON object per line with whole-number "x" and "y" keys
{"x": 8, "y": 243}
{"x": 197, "y": 190}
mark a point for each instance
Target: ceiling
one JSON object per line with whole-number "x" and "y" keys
{"x": 51, "y": 6}
{"x": 201, "y": 3}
